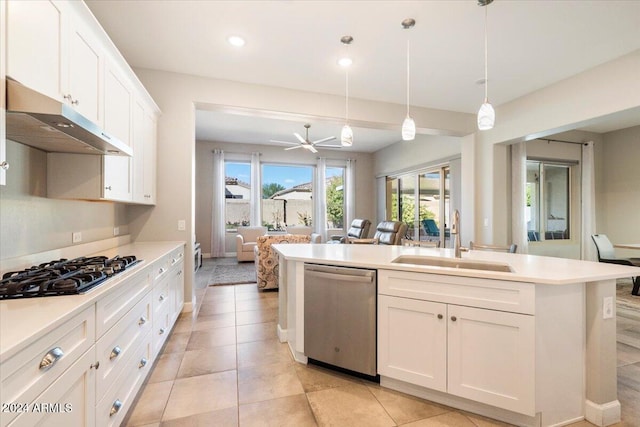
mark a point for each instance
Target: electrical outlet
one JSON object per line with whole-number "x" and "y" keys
{"x": 76, "y": 237}
{"x": 116, "y": 231}
{"x": 486, "y": 222}
{"x": 182, "y": 225}
{"x": 607, "y": 308}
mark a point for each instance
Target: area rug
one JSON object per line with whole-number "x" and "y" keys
{"x": 233, "y": 274}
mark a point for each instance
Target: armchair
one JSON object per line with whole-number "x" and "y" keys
{"x": 359, "y": 229}
{"x": 387, "y": 233}
{"x": 246, "y": 241}
{"x": 606, "y": 253}
{"x": 267, "y": 270}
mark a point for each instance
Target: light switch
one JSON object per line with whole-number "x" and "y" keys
{"x": 182, "y": 225}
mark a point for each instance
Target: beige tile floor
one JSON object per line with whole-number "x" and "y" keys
{"x": 223, "y": 366}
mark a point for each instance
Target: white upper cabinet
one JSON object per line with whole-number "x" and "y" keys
{"x": 118, "y": 99}
{"x": 4, "y": 165}
{"x": 35, "y": 52}
{"x": 85, "y": 65}
{"x": 144, "y": 155}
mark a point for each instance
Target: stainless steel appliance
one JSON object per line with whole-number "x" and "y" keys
{"x": 340, "y": 317}
{"x": 63, "y": 276}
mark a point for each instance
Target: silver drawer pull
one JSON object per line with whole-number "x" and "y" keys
{"x": 142, "y": 320}
{"x": 115, "y": 408}
{"x": 162, "y": 270}
{"x": 115, "y": 352}
{"x": 173, "y": 261}
{"x": 161, "y": 298}
{"x": 51, "y": 358}
{"x": 162, "y": 330}
{"x": 179, "y": 272}
{"x": 95, "y": 365}
{"x": 143, "y": 363}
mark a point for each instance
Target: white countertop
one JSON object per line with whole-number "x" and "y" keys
{"x": 27, "y": 319}
{"x": 526, "y": 268}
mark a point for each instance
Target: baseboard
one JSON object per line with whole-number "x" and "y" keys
{"x": 282, "y": 334}
{"x": 297, "y": 356}
{"x": 187, "y": 307}
{"x": 603, "y": 414}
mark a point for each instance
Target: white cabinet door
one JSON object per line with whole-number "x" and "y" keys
{"x": 176, "y": 289}
{"x": 69, "y": 401}
{"x": 138, "y": 140}
{"x": 150, "y": 126}
{"x": 117, "y": 178}
{"x": 492, "y": 357}
{"x": 85, "y": 61}
{"x": 117, "y": 104}
{"x": 36, "y": 45}
{"x": 412, "y": 341}
{"x": 3, "y": 49}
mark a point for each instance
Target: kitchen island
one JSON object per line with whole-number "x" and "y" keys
{"x": 533, "y": 345}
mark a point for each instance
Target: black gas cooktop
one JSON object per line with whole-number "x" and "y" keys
{"x": 63, "y": 276}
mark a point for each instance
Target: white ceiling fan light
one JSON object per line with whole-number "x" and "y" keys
{"x": 408, "y": 125}
{"x": 346, "y": 136}
{"x": 486, "y": 113}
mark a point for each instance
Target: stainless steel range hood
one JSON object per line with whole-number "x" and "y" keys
{"x": 42, "y": 122}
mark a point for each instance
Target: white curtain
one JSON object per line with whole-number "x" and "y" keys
{"x": 588, "y": 203}
{"x": 349, "y": 192}
{"x": 256, "y": 190}
{"x": 518, "y": 196}
{"x": 320, "y": 202}
{"x": 217, "y": 211}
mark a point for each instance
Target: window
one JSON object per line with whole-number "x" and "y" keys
{"x": 548, "y": 200}
{"x": 286, "y": 196}
{"x": 237, "y": 194}
{"x": 421, "y": 200}
{"x": 335, "y": 202}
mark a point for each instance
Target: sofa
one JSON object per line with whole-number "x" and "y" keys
{"x": 267, "y": 272}
{"x": 246, "y": 241}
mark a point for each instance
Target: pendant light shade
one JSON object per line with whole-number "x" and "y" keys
{"x": 346, "y": 136}
{"x": 408, "y": 126}
{"x": 486, "y": 117}
{"x": 486, "y": 113}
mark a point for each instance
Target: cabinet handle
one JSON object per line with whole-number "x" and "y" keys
{"x": 143, "y": 363}
{"x": 161, "y": 298}
{"x": 68, "y": 97}
{"x": 162, "y": 330}
{"x": 440, "y": 316}
{"x": 454, "y": 318}
{"x": 75, "y": 102}
{"x": 115, "y": 352}
{"x": 95, "y": 365}
{"x": 162, "y": 270}
{"x": 105, "y": 135}
{"x": 142, "y": 321}
{"x": 108, "y": 188}
{"x": 51, "y": 358}
{"x": 4, "y": 165}
{"x": 179, "y": 272}
{"x": 115, "y": 408}
{"x": 173, "y": 261}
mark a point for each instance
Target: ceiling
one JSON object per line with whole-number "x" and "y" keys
{"x": 296, "y": 44}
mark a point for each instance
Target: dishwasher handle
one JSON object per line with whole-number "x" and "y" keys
{"x": 339, "y": 276}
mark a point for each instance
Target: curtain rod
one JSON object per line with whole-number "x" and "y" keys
{"x": 559, "y": 140}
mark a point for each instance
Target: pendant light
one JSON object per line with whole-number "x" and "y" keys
{"x": 486, "y": 114}
{"x": 408, "y": 126}
{"x": 346, "y": 136}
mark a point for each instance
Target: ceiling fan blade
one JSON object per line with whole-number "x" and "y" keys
{"x": 293, "y": 148}
{"x": 283, "y": 142}
{"x": 301, "y": 139}
{"x": 327, "y": 146}
{"x": 311, "y": 148}
{"x": 320, "y": 141}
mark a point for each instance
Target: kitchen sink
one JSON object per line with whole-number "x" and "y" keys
{"x": 452, "y": 263}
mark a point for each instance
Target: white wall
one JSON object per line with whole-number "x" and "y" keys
{"x": 618, "y": 215}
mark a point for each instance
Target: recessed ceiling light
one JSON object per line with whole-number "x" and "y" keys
{"x": 236, "y": 41}
{"x": 345, "y": 62}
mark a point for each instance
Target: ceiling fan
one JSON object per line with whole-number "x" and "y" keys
{"x": 305, "y": 143}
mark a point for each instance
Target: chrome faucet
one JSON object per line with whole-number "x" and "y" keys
{"x": 455, "y": 229}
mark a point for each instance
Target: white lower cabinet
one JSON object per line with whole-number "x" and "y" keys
{"x": 480, "y": 354}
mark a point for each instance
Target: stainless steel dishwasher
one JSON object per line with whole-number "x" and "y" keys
{"x": 340, "y": 317}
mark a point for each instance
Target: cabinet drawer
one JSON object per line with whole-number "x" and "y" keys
{"x": 176, "y": 256}
{"x": 161, "y": 328}
{"x": 115, "y": 348}
{"x": 161, "y": 295}
{"x": 516, "y": 297}
{"x": 118, "y": 400}
{"x": 160, "y": 269}
{"x": 69, "y": 399}
{"x": 22, "y": 377}
{"x": 114, "y": 305}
